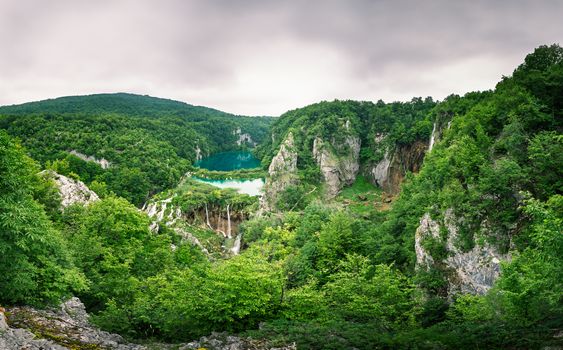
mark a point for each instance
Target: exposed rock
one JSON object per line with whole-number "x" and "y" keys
{"x": 427, "y": 228}
{"x": 389, "y": 172}
{"x": 191, "y": 238}
{"x": 67, "y": 327}
{"x": 474, "y": 271}
{"x": 223, "y": 341}
{"x": 71, "y": 191}
{"x": 3, "y": 324}
{"x": 64, "y": 328}
{"x": 282, "y": 173}
{"x": 338, "y": 162}
{"x": 104, "y": 163}
{"x": 285, "y": 160}
{"x": 244, "y": 138}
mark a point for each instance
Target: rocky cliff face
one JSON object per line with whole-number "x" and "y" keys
{"x": 339, "y": 162}
{"x": 389, "y": 172}
{"x": 282, "y": 173}
{"x": 244, "y": 138}
{"x": 71, "y": 191}
{"x": 474, "y": 271}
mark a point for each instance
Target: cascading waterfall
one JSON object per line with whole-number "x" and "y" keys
{"x": 207, "y": 217}
{"x": 229, "y": 222}
{"x": 236, "y": 246}
{"x": 432, "y": 138}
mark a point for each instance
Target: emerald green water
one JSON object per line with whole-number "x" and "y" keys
{"x": 228, "y": 161}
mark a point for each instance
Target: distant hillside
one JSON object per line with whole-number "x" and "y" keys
{"x": 118, "y": 103}
{"x": 148, "y": 142}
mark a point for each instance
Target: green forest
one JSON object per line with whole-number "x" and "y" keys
{"x": 325, "y": 273}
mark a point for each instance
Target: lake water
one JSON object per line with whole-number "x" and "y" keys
{"x": 250, "y": 187}
{"x": 228, "y": 161}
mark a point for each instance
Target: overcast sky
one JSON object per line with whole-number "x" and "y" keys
{"x": 260, "y": 57}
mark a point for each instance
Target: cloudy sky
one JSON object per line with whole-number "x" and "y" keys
{"x": 261, "y": 57}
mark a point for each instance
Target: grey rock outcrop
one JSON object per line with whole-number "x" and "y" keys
{"x": 71, "y": 191}
{"x": 473, "y": 271}
{"x": 104, "y": 163}
{"x": 223, "y": 341}
{"x": 63, "y": 328}
{"x": 339, "y": 162}
{"x": 390, "y": 171}
{"x": 282, "y": 173}
{"x": 244, "y": 138}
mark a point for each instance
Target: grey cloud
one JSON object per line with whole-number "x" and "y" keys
{"x": 263, "y": 57}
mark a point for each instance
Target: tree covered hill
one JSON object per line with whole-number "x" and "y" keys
{"x": 117, "y": 103}
{"x": 149, "y": 142}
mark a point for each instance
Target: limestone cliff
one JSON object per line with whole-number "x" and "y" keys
{"x": 71, "y": 191}
{"x": 339, "y": 162}
{"x": 282, "y": 173}
{"x": 244, "y": 138}
{"x": 473, "y": 271}
{"x": 389, "y": 172}
{"x": 104, "y": 163}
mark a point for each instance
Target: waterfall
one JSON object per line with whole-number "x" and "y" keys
{"x": 229, "y": 222}
{"x": 207, "y": 217}
{"x": 236, "y": 246}
{"x": 432, "y": 138}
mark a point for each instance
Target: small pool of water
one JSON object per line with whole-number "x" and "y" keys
{"x": 250, "y": 187}
{"x": 228, "y": 161}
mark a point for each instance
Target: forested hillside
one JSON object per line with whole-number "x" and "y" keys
{"x": 143, "y": 144}
{"x": 406, "y": 225}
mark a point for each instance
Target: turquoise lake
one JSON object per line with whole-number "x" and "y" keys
{"x": 228, "y": 161}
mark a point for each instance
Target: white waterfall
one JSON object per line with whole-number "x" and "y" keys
{"x": 236, "y": 245}
{"x": 207, "y": 217}
{"x": 229, "y": 222}
{"x": 432, "y": 138}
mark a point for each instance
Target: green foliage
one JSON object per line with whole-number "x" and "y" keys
{"x": 35, "y": 263}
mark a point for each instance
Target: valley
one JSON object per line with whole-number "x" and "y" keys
{"x": 340, "y": 225}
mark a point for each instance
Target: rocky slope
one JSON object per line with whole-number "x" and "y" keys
{"x": 339, "y": 162}
{"x": 71, "y": 191}
{"x": 282, "y": 173}
{"x": 472, "y": 271}
{"x": 389, "y": 172}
